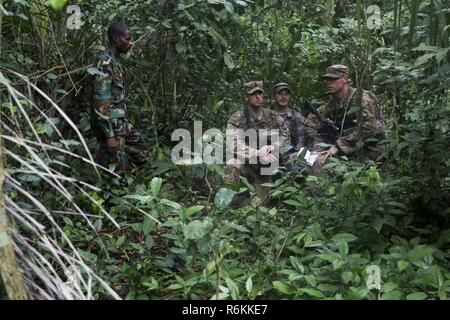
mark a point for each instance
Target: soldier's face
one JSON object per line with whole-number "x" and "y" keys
{"x": 282, "y": 98}
{"x": 123, "y": 42}
{"x": 335, "y": 85}
{"x": 256, "y": 99}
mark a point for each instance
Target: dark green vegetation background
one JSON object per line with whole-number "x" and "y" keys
{"x": 189, "y": 64}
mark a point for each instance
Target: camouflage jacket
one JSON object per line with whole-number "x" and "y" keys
{"x": 296, "y": 123}
{"x": 345, "y": 115}
{"x": 267, "y": 119}
{"x": 109, "y": 95}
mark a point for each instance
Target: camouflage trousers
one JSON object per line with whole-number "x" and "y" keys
{"x": 252, "y": 174}
{"x": 131, "y": 149}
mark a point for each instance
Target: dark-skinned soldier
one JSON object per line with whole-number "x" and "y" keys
{"x": 118, "y": 142}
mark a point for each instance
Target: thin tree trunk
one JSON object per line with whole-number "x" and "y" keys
{"x": 9, "y": 268}
{"x": 413, "y": 23}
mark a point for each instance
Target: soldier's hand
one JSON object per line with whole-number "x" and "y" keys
{"x": 112, "y": 145}
{"x": 265, "y": 154}
{"x": 324, "y": 155}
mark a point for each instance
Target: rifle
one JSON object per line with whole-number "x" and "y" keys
{"x": 329, "y": 125}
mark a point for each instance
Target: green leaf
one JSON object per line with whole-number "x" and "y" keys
{"x": 29, "y": 178}
{"x": 419, "y": 252}
{"x": 70, "y": 142}
{"x": 313, "y": 244}
{"x": 224, "y": 197}
{"x": 311, "y": 280}
{"x": 166, "y": 23}
{"x": 57, "y": 4}
{"x": 48, "y": 125}
{"x": 423, "y": 47}
{"x": 249, "y": 285}
{"x": 378, "y": 224}
{"x": 197, "y": 229}
{"x": 228, "y": 61}
{"x": 424, "y": 58}
{"x": 234, "y": 290}
{"x": 312, "y": 292}
{"x": 151, "y": 284}
{"x": 171, "y": 204}
{"x": 347, "y": 276}
{"x": 174, "y": 286}
{"x": 402, "y": 265}
{"x": 52, "y": 76}
{"x": 330, "y": 257}
{"x": 416, "y": 296}
{"x": 393, "y": 295}
{"x": 347, "y": 237}
{"x": 120, "y": 241}
{"x": 149, "y": 242}
{"x": 180, "y": 47}
{"x": 388, "y": 287}
{"x": 241, "y": 3}
{"x": 190, "y": 211}
{"x": 293, "y": 203}
{"x": 327, "y": 287}
{"x": 98, "y": 224}
{"x": 183, "y": 6}
{"x": 229, "y": 7}
{"x": 441, "y": 55}
{"x": 3, "y": 80}
{"x": 343, "y": 248}
{"x": 148, "y": 225}
{"x": 221, "y": 296}
{"x": 283, "y": 287}
{"x": 155, "y": 186}
{"x": 297, "y": 264}
{"x": 235, "y": 226}
{"x": 68, "y": 221}
{"x": 273, "y": 212}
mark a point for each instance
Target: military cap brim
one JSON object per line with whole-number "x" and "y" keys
{"x": 253, "y": 90}
{"x": 332, "y": 76}
{"x": 282, "y": 86}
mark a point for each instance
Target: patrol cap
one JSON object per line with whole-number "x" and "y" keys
{"x": 281, "y": 86}
{"x": 336, "y": 71}
{"x": 253, "y": 86}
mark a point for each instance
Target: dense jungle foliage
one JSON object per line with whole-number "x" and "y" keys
{"x": 171, "y": 233}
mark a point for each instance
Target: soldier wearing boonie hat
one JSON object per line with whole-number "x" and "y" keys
{"x": 294, "y": 119}
{"x": 343, "y": 110}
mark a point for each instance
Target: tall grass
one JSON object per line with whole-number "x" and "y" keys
{"x": 50, "y": 271}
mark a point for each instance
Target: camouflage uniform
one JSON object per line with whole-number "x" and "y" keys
{"x": 344, "y": 114}
{"x": 266, "y": 119}
{"x": 108, "y": 116}
{"x": 294, "y": 119}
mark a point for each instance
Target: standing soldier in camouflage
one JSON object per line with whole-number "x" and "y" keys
{"x": 254, "y": 116}
{"x": 294, "y": 119}
{"x": 117, "y": 141}
{"x": 343, "y": 110}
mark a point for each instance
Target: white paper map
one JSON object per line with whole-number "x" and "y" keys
{"x": 309, "y": 158}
